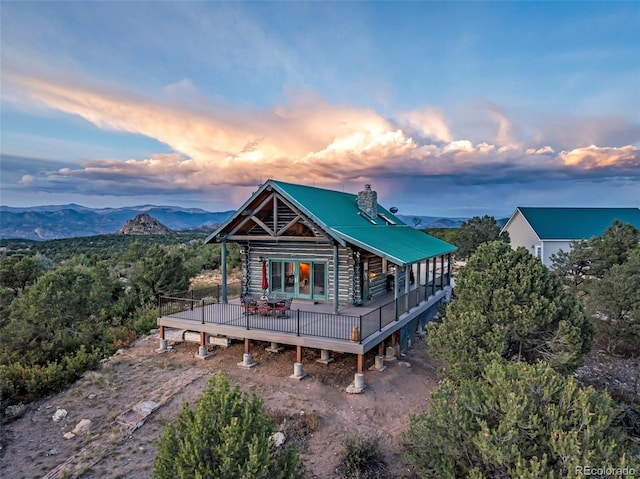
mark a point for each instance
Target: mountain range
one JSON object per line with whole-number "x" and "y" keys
{"x": 69, "y": 221}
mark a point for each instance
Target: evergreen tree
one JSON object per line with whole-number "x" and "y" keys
{"x": 478, "y": 231}
{"x": 614, "y": 303}
{"x": 573, "y": 266}
{"x": 57, "y": 315}
{"x": 161, "y": 272}
{"x": 613, "y": 247}
{"x": 509, "y": 306}
{"x": 517, "y": 421}
{"x": 225, "y": 436}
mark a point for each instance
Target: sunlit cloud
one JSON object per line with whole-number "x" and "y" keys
{"x": 593, "y": 156}
{"x": 305, "y": 140}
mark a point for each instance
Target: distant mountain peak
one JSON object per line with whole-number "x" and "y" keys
{"x": 143, "y": 224}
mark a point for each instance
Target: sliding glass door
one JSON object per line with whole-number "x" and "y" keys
{"x": 299, "y": 279}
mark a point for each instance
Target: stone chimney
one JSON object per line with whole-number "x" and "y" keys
{"x": 368, "y": 202}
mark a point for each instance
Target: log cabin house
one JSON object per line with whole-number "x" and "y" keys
{"x": 352, "y": 276}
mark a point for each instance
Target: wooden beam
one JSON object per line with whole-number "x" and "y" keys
{"x": 360, "y": 363}
{"x": 244, "y": 221}
{"x": 312, "y": 239}
{"x": 275, "y": 212}
{"x": 288, "y": 225}
{"x": 298, "y": 354}
{"x": 260, "y": 223}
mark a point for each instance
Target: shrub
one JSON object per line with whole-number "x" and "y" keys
{"x": 146, "y": 319}
{"x": 362, "y": 458}
{"x": 23, "y": 383}
{"x": 518, "y": 420}
{"x": 225, "y": 436}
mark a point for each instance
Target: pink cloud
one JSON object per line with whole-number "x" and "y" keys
{"x": 593, "y": 156}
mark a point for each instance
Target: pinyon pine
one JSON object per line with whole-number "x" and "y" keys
{"x": 517, "y": 421}
{"x": 225, "y": 436}
{"x": 509, "y": 306}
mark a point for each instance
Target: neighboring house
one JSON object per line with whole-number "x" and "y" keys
{"x": 546, "y": 231}
{"x": 346, "y": 262}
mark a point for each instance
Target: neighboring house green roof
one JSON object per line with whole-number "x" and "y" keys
{"x": 576, "y": 223}
{"x": 338, "y": 214}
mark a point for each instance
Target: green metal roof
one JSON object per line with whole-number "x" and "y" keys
{"x": 400, "y": 244}
{"x": 576, "y": 223}
{"x": 338, "y": 214}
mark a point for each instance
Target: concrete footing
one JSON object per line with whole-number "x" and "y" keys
{"x": 163, "y": 346}
{"x": 390, "y": 354}
{"x": 325, "y": 357}
{"x": 203, "y": 353}
{"x": 379, "y": 364}
{"x": 357, "y": 386}
{"x": 247, "y": 362}
{"x": 274, "y": 348}
{"x": 297, "y": 371}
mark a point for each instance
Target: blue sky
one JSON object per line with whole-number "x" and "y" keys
{"x": 456, "y": 108}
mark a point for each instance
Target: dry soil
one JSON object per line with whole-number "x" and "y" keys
{"x": 316, "y": 410}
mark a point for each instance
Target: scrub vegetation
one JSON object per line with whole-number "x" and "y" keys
{"x": 67, "y": 304}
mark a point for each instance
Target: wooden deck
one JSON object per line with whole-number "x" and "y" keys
{"x": 307, "y": 324}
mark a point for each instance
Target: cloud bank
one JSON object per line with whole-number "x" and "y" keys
{"x": 307, "y": 140}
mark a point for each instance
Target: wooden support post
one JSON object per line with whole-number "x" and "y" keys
{"x": 161, "y": 332}
{"x": 336, "y": 279}
{"x": 298, "y": 354}
{"x": 246, "y": 345}
{"x": 381, "y": 348}
{"x": 202, "y": 338}
{"x": 360, "y": 363}
{"x": 223, "y": 264}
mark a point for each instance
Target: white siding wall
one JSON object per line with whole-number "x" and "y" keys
{"x": 521, "y": 234}
{"x": 552, "y": 247}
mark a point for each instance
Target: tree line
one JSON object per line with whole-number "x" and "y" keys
{"x": 62, "y": 311}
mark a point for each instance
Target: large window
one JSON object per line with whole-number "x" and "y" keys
{"x": 300, "y": 279}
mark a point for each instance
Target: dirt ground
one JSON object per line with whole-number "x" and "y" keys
{"x": 318, "y": 411}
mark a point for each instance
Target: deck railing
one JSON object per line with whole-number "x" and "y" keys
{"x": 204, "y": 306}
{"x": 211, "y": 293}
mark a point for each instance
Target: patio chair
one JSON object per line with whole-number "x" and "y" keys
{"x": 284, "y": 307}
{"x": 263, "y": 306}
{"x": 249, "y": 304}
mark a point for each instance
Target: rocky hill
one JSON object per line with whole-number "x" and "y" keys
{"x": 143, "y": 224}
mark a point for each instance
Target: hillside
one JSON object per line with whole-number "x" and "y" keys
{"x": 316, "y": 412}
{"x": 143, "y": 224}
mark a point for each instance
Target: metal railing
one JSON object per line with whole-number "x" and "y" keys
{"x": 211, "y": 293}
{"x": 204, "y": 306}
